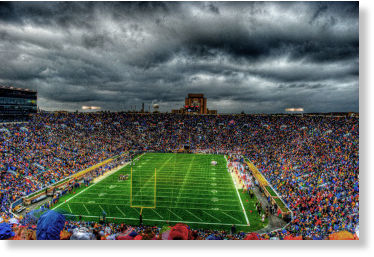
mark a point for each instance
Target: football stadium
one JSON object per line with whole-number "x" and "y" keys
{"x": 181, "y": 120}
{"x": 110, "y": 175}
{"x": 166, "y": 187}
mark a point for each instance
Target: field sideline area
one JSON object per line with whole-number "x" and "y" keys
{"x": 185, "y": 188}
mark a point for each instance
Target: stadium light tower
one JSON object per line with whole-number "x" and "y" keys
{"x": 298, "y": 110}
{"x": 156, "y": 107}
{"x": 91, "y": 107}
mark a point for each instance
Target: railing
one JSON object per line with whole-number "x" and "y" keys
{"x": 15, "y": 203}
{"x": 41, "y": 191}
{"x": 270, "y": 191}
{"x": 12, "y": 122}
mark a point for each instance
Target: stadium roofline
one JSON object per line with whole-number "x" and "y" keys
{"x": 17, "y": 88}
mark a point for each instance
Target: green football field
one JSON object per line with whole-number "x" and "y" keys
{"x": 171, "y": 188}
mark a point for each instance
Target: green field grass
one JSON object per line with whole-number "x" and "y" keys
{"x": 271, "y": 191}
{"x": 281, "y": 204}
{"x": 187, "y": 189}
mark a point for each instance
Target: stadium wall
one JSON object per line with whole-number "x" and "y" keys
{"x": 269, "y": 190}
{"x": 42, "y": 193}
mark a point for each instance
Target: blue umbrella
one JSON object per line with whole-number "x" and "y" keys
{"x": 212, "y": 237}
{"x": 5, "y": 231}
{"x": 49, "y": 226}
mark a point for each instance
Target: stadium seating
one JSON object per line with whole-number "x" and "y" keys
{"x": 311, "y": 161}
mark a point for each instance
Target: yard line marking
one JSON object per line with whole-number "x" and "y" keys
{"x": 120, "y": 211}
{"x": 228, "y": 215}
{"x": 237, "y": 192}
{"x": 176, "y": 214}
{"x": 136, "y": 211}
{"x": 167, "y": 207}
{"x": 176, "y": 221}
{"x": 172, "y": 198}
{"x": 193, "y": 215}
{"x": 184, "y": 180}
{"x": 86, "y": 209}
{"x": 144, "y": 185}
{"x": 70, "y": 208}
{"x": 86, "y": 188}
{"x": 212, "y": 216}
{"x": 183, "y": 193}
{"x": 157, "y": 213}
{"x": 192, "y": 188}
{"x": 102, "y": 208}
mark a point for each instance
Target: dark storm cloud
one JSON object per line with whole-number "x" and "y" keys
{"x": 251, "y": 56}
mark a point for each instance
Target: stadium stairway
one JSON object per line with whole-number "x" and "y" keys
{"x": 274, "y": 221}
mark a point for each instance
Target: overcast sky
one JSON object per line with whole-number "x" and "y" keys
{"x": 257, "y": 57}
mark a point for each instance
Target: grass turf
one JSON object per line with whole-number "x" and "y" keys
{"x": 281, "y": 205}
{"x": 271, "y": 191}
{"x": 187, "y": 189}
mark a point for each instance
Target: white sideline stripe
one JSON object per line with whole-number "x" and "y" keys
{"x": 111, "y": 172}
{"x": 70, "y": 208}
{"x": 193, "y": 215}
{"x": 212, "y": 216}
{"x": 176, "y": 214}
{"x": 153, "y": 219}
{"x": 177, "y": 221}
{"x": 86, "y": 209}
{"x": 120, "y": 211}
{"x": 228, "y": 215}
{"x": 237, "y": 192}
{"x": 73, "y": 197}
{"x": 157, "y": 213}
{"x": 85, "y": 189}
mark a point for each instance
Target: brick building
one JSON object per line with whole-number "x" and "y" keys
{"x": 195, "y": 104}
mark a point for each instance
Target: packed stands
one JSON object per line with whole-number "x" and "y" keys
{"x": 311, "y": 161}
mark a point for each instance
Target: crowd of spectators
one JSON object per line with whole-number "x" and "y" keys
{"x": 311, "y": 161}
